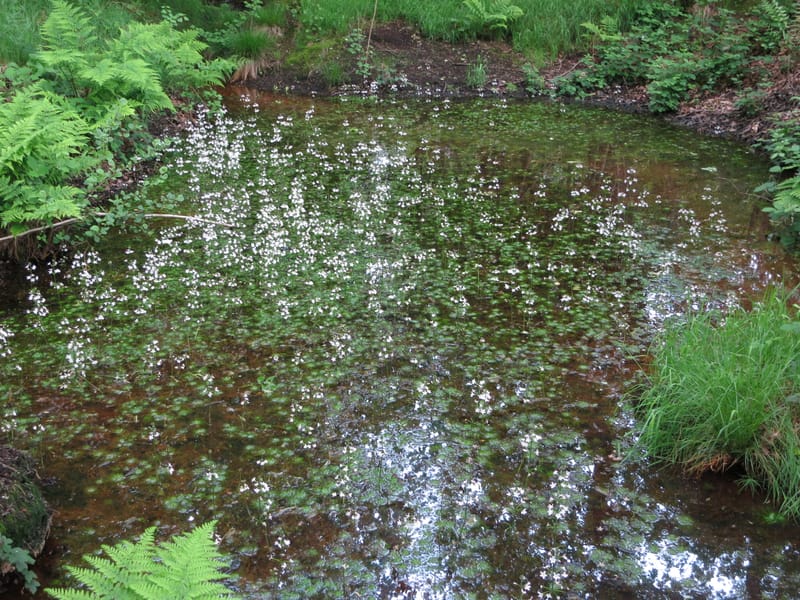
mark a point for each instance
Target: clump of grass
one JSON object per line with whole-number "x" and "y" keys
{"x": 725, "y": 391}
{"x": 332, "y": 73}
{"x": 476, "y": 74}
{"x": 251, "y": 44}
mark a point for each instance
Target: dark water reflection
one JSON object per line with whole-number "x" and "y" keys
{"x": 399, "y": 375}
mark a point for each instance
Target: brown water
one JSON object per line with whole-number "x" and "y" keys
{"x": 391, "y": 359}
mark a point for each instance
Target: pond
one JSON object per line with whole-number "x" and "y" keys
{"x": 390, "y": 356}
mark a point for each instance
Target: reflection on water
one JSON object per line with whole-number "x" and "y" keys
{"x": 390, "y": 359}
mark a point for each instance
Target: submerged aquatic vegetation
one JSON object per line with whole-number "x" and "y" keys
{"x": 724, "y": 391}
{"x": 399, "y": 370}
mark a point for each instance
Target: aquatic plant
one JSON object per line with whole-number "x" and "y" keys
{"x": 187, "y": 566}
{"x": 388, "y": 364}
{"x": 724, "y": 392}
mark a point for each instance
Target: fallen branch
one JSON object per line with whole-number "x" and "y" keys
{"x": 66, "y": 222}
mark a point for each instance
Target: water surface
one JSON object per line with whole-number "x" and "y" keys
{"x": 391, "y": 358}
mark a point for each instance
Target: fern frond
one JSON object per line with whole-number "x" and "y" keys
{"x": 65, "y": 594}
{"x": 133, "y": 79}
{"x": 191, "y": 563}
{"x": 69, "y": 44}
{"x": 68, "y": 28}
{"x": 175, "y": 55}
{"x": 182, "y": 569}
{"x": 38, "y": 139}
{"x": 100, "y": 585}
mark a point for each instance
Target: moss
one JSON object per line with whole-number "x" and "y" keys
{"x": 311, "y": 55}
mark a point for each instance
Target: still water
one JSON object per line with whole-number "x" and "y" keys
{"x": 392, "y": 354}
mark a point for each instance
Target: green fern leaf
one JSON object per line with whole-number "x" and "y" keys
{"x": 190, "y": 563}
{"x": 68, "y": 28}
{"x": 177, "y": 56}
{"x": 185, "y": 568}
{"x": 62, "y": 594}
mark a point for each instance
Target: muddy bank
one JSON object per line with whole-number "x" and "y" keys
{"x": 24, "y": 516}
{"x": 406, "y": 64}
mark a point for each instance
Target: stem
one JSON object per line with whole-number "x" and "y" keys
{"x": 66, "y": 222}
{"x": 371, "y": 26}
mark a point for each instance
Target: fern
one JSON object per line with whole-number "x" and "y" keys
{"x": 495, "y": 18}
{"x": 183, "y": 568}
{"x": 773, "y": 25}
{"x": 133, "y": 79}
{"x": 68, "y": 27}
{"x": 175, "y": 55}
{"x": 607, "y": 31}
{"x": 42, "y": 145}
{"x": 68, "y": 44}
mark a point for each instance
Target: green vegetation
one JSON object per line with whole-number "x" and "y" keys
{"x": 20, "y": 560}
{"x": 522, "y": 21}
{"x": 679, "y": 55}
{"x": 476, "y": 74}
{"x": 725, "y": 391}
{"x": 187, "y": 566}
{"x": 783, "y": 145}
{"x": 19, "y": 29}
{"x": 77, "y": 111}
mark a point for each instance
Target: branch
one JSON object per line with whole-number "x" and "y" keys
{"x": 66, "y": 222}
{"x": 371, "y": 25}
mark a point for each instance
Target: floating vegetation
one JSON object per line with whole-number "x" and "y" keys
{"x": 399, "y": 374}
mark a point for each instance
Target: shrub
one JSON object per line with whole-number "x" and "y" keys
{"x": 186, "y": 567}
{"x": 670, "y": 81}
{"x": 535, "y": 83}
{"x": 20, "y": 560}
{"x": 724, "y": 391}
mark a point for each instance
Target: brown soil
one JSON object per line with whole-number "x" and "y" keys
{"x": 407, "y": 64}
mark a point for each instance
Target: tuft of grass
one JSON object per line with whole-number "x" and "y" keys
{"x": 332, "y": 73}
{"x": 476, "y": 74}
{"x": 251, "y": 44}
{"x": 724, "y": 391}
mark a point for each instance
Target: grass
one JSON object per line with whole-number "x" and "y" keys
{"x": 725, "y": 392}
{"x": 476, "y": 74}
{"x": 251, "y": 43}
{"x": 19, "y": 25}
{"x": 19, "y": 28}
{"x": 546, "y": 28}
{"x": 272, "y": 14}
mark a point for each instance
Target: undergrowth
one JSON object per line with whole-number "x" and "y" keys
{"x": 538, "y": 28}
{"x": 74, "y": 114}
{"x": 725, "y": 391}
